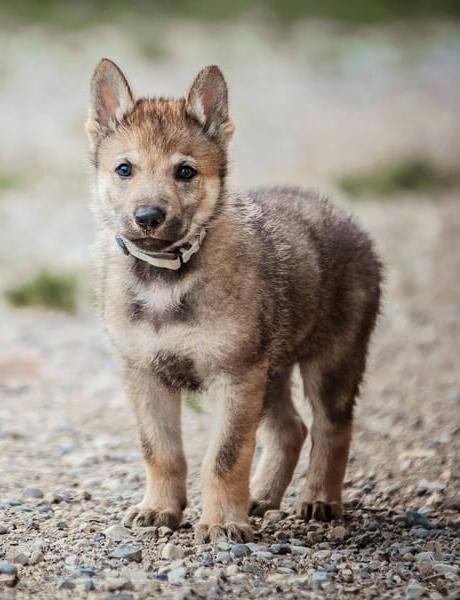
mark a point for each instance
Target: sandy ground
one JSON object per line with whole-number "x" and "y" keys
{"x": 307, "y": 107}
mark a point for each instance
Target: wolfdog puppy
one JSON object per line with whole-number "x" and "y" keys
{"x": 203, "y": 289}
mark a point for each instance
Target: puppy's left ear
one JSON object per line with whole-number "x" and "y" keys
{"x": 207, "y": 103}
{"x": 111, "y": 98}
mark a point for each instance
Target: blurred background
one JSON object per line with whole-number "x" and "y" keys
{"x": 360, "y": 99}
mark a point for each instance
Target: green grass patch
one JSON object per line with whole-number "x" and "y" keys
{"x": 9, "y": 181}
{"x": 410, "y": 175}
{"x": 194, "y": 402}
{"x": 50, "y": 290}
{"x": 74, "y": 15}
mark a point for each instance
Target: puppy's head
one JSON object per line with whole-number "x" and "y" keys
{"x": 160, "y": 163}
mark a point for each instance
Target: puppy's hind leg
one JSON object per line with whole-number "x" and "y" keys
{"x": 282, "y": 434}
{"x": 331, "y": 391}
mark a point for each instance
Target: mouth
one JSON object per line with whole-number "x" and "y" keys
{"x": 151, "y": 244}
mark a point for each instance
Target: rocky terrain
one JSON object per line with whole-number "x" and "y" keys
{"x": 69, "y": 461}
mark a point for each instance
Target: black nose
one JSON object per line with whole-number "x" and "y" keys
{"x": 149, "y": 216}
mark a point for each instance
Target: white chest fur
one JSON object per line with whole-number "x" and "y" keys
{"x": 142, "y": 324}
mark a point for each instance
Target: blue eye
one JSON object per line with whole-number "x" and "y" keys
{"x": 124, "y": 170}
{"x": 185, "y": 172}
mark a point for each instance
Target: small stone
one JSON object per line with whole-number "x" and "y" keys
{"x": 7, "y": 568}
{"x": 280, "y": 549}
{"x": 254, "y": 547}
{"x": 225, "y": 546}
{"x": 446, "y": 569}
{"x": 89, "y": 585}
{"x": 117, "y": 533}
{"x": 65, "y": 584}
{"x": 422, "y": 488}
{"x": 35, "y": 557}
{"x": 274, "y": 516}
{"x": 118, "y": 584}
{"x": 232, "y": 570}
{"x": 414, "y": 591}
{"x": 320, "y": 577}
{"x": 262, "y": 555}
{"x": 172, "y": 552}
{"x": 224, "y": 557}
{"x": 21, "y": 559}
{"x": 413, "y": 518}
{"x": 164, "y": 531}
{"x": 127, "y": 551}
{"x": 313, "y": 537}
{"x": 33, "y": 492}
{"x": 3, "y": 529}
{"x": 421, "y": 533}
{"x": 207, "y": 559}
{"x": 176, "y": 575}
{"x": 300, "y": 550}
{"x": 424, "y": 556}
{"x": 338, "y": 533}
{"x": 239, "y": 550}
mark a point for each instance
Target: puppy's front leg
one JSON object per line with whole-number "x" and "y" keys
{"x": 227, "y": 465}
{"x": 158, "y": 415}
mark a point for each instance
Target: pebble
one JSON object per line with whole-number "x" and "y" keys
{"x": 300, "y": 550}
{"x": 224, "y": 557}
{"x": 3, "y": 529}
{"x": 207, "y": 559}
{"x": 232, "y": 570}
{"x": 118, "y": 584}
{"x": 172, "y": 552}
{"x": 33, "y": 492}
{"x": 424, "y": 556}
{"x": 338, "y": 533}
{"x": 314, "y": 537}
{"x": 274, "y": 516}
{"x": 117, "y": 533}
{"x": 128, "y": 552}
{"x": 262, "y": 555}
{"x": 254, "y": 547}
{"x": 446, "y": 569}
{"x": 175, "y": 576}
{"x": 21, "y": 559}
{"x": 239, "y": 550}
{"x": 413, "y": 518}
{"x": 36, "y": 556}
{"x": 225, "y": 546}
{"x": 320, "y": 577}
{"x": 280, "y": 549}
{"x": 164, "y": 531}
{"x": 65, "y": 584}
{"x": 414, "y": 591}
{"x": 7, "y": 568}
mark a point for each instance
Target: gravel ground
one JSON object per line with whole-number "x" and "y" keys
{"x": 69, "y": 460}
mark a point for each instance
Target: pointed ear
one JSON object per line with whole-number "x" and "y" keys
{"x": 207, "y": 103}
{"x": 111, "y": 98}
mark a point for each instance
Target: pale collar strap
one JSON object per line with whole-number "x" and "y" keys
{"x": 164, "y": 260}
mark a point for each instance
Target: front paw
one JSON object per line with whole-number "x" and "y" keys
{"x": 146, "y": 516}
{"x": 236, "y": 532}
{"x": 319, "y": 510}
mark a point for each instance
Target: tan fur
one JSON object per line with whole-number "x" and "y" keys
{"x": 282, "y": 277}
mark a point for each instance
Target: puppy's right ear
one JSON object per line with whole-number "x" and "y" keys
{"x": 111, "y": 98}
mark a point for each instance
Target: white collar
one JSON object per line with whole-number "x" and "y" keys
{"x": 164, "y": 260}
